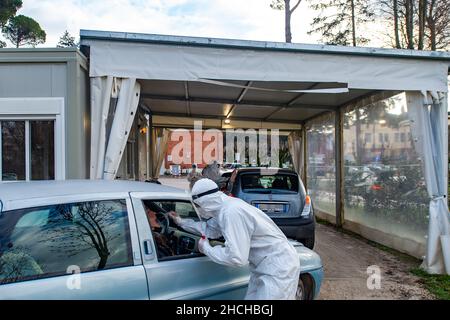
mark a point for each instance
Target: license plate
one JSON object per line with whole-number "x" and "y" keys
{"x": 270, "y": 207}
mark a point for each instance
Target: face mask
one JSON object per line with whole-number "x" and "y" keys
{"x": 202, "y": 213}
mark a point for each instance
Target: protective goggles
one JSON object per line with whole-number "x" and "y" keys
{"x": 196, "y": 196}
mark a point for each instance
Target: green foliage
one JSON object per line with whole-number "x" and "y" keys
{"x": 398, "y": 195}
{"x": 22, "y": 30}
{"x": 437, "y": 284}
{"x": 338, "y": 20}
{"x": 2, "y": 44}
{"x": 277, "y": 4}
{"x": 8, "y": 9}
{"x": 66, "y": 41}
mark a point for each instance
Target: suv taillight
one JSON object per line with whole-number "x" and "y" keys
{"x": 307, "y": 208}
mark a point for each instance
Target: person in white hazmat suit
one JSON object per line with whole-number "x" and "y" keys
{"x": 251, "y": 237}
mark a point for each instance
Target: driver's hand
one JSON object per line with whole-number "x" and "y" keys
{"x": 175, "y": 217}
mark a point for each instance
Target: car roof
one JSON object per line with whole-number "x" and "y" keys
{"x": 13, "y": 191}
{"x": 268, "y": 170}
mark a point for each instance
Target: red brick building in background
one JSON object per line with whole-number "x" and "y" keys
{"x": 196, "y": 141}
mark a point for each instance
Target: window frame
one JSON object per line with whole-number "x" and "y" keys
{"x": 144, "y": 231}
{"x": 176, "y": 257}
{"x": 54, "y": 200}
{"x": 286, "y": 174}
{"x": 31, "y": 109}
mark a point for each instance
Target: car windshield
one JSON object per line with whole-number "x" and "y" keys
{"x": 277, "y": 183}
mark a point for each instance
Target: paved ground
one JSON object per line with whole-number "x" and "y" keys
{"x": 346, "y": 259}
{"x": 180, "y": 182}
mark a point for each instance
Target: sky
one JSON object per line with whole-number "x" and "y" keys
{"x": 232, "y": 19}
{"x": 236, "y": 19}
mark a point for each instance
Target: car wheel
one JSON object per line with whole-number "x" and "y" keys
{"x": 300, "y": 294}
{"x": 305, "y": 288}
{"x": 308, "y": 242}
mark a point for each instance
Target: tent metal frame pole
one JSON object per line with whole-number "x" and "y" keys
{"x": 136, "y": 148}
{"x": 151, "y": 147}
{"x": 236, "y": 102}
{"x": 305, "y": 156}
{"x": 339, "y": 165}
{"x": 147, "y": 146}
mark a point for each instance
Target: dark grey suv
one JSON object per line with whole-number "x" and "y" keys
{"x": 281, "y": 195}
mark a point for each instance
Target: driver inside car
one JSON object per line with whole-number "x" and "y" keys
{"x": 162, "y": 242}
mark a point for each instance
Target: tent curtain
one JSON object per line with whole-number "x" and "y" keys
{"x": 295, "y": 144}
{"x": 128, "y": 100}
{"x": 101, "y": 88}
{"x": 159, "y": 146}
{"x": 428, "y": 112}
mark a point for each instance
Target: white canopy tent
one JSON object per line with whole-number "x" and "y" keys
{"x": 266, "y": 82}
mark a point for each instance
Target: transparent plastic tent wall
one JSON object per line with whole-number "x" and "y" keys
{"x": 384, "y": 183}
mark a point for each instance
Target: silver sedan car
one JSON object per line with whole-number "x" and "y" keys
{"x": 113, "y": 240}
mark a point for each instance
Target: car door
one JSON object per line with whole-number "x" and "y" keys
{"x": 191, "y": 276}
{"x": 83, "y": 247}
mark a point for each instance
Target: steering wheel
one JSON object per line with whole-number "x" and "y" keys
{"x": 163, "y": 221}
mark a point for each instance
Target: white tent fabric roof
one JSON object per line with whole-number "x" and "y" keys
{"x": 183, "y": 60}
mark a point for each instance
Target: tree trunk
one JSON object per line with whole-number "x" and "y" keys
{"x": 432, "y": 25}
{"x": 409, "y": 24}
{"x": 353, "y": 23}
{"x": 396, "y": 28}
{"x": 287, "y": 21}
{"x": 422, "y": 19}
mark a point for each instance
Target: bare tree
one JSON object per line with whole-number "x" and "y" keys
{"x": 396, "y": 21}
{"x": 438, "y": 25}
{"x": 288, "y": 11}
{"x": 422, "y": 23}
{"x": 409, "y": 23}
{"x": 417, "y": 24}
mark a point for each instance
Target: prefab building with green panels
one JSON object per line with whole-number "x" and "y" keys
{"x": 44, "y": 114}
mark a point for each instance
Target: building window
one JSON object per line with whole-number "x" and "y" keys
{"x": 32, "y": 139}
{"x": 27, "y": 150}
{"x": 13, "y": 150}
{"x": 402, "y": 137}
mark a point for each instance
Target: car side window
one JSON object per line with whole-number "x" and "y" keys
{"x": 58, "y": 239}
{"x": 172, "y": 241}
{"x": 186, "y": 210}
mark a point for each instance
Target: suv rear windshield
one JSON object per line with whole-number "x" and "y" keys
{"x": 277, "y": 183}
